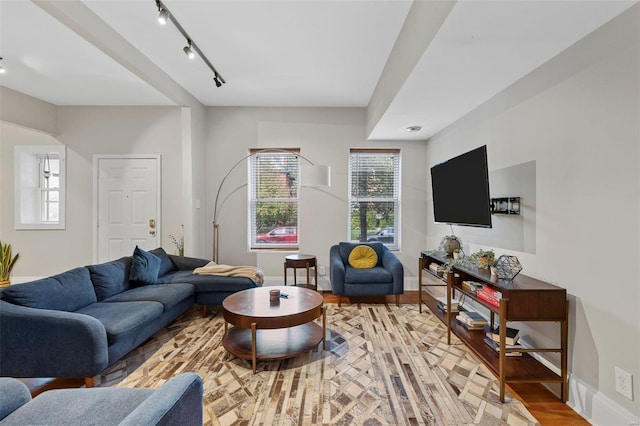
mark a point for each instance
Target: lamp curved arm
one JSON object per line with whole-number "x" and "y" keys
{"x": 224, "y": 179}
{"x": 240, "y": 161}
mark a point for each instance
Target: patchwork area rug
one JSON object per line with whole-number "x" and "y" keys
{"x": 383, "y": 365}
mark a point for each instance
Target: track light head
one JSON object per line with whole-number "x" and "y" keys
{"x": 163, "y": 16}
{"x": 189, "y": 51}
{"x": 216, "y": 79}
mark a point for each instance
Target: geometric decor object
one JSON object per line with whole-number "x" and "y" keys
{"x": 507, "y": 267}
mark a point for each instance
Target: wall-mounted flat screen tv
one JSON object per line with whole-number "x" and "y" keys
{"x": 460, "y": 189}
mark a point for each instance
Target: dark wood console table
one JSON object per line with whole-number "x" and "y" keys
{"x": 524, "y": 299}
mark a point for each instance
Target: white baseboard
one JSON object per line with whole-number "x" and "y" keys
{"x": 596, "y": 407}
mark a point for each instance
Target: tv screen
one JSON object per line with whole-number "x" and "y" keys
{"x": 460, "y": 189}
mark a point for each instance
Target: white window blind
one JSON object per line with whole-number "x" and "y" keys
{"x": 49, "y": 175}
{"x": 374, "y": 196}
{"x": 274, "y": 198}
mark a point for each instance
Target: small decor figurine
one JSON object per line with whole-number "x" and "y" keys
{"x": 507, "y": 267}
{"x": 274, "y": 296}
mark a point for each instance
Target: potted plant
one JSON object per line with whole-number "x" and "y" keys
{"x": 456, "y": 254}
{"x": 179, "y": 243}
{"x": 449, "y": 243}
{"x": 483, "y": 258}
{"x": 7, "y": 262}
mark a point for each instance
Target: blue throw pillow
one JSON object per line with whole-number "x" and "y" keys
{"x": 144, "y": 267}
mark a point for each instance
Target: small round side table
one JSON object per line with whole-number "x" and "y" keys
{"x": 306, "y": 261}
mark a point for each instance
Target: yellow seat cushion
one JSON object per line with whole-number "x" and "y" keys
{"x": 363, "y": 257}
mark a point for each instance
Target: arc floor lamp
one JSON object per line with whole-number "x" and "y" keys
{"x": 312, "y": 175}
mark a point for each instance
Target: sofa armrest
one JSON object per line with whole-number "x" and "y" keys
{"x": 391, "y": 263}
{"x": 336, "y": 270}
{"x": 184, "y": 263}
{"x": 177, "y": 402}
{"x": 46, "y": 343}
{"x": 14, "y": 395}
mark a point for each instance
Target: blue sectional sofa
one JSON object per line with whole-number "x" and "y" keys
{"x": 78, "y": 323}
{"x": 177, "y": 402}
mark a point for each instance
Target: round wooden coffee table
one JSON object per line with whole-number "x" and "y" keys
{"x": 267, "y": 331}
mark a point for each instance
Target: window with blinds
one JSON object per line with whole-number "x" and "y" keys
{"x": 374, "y": 196}
{"x": 273, "y": 198}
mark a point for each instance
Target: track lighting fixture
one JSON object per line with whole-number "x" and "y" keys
{"x": 192, "y": 48}
{"x": 163, "y": 17}
{"x": 2, "y": 70}
{"x": 189, "y": 51}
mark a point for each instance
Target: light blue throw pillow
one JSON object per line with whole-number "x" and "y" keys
{"x": 144, "y": 267}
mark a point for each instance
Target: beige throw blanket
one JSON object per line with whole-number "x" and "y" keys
{"x": 251, "y": 272}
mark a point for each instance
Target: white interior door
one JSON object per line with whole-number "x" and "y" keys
{"x": 128, "y": 207}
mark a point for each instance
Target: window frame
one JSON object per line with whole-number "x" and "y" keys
{"x": 253, "y": 200}
{"x": 396, "y": 198}
{"x": 30, "y": 196}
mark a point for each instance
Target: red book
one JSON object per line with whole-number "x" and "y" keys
{"x": 488, "y": 298}
{"x": 492, "y": 291}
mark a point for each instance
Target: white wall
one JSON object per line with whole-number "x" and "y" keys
{"x": 577, "y": 116}
{"x": 324, "y": 135}
{"x": 87, "y": 131}
{"x": 31, "y": 244}
{"x": 27, "y": 111}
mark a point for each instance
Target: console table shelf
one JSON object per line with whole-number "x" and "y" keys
{"x": 524, "y": 299}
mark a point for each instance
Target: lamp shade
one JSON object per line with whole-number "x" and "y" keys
{"x": 314, "y": 176}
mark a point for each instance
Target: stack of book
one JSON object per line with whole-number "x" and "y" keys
{"x": 471, "y": 320}
{"x": 511, "y": 340}
{"x": 471, "y": 286}
{"x": 489, "y": 295}
{"x": 442, "y": 304}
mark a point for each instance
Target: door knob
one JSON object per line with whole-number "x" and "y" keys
{"x": 152, "y": 231}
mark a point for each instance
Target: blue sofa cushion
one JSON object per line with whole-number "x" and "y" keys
{"x": 119, "y": 319}
{"x": 110, "y": 278}
{"x": 69, "y": 291}
{"x": 377, "y": 275}
{"x": 144, "y": 267}
{"x": 345, "y": 248}
{"x": 208, "y": 283}
{"x": 167, "y": 294}
{"x": 97, "y": 406}
{"x": 166, "y": 265}
{"x": 14, "y": 395}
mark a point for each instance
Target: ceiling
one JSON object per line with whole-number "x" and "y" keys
{"x": 296, "y": 53}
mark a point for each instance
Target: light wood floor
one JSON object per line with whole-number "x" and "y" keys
{"x": 540, "y": 402}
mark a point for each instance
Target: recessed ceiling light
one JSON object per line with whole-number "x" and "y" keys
{"x": 413, "y": 128}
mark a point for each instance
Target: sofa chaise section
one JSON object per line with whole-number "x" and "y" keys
{"x": 210, "y": 289}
